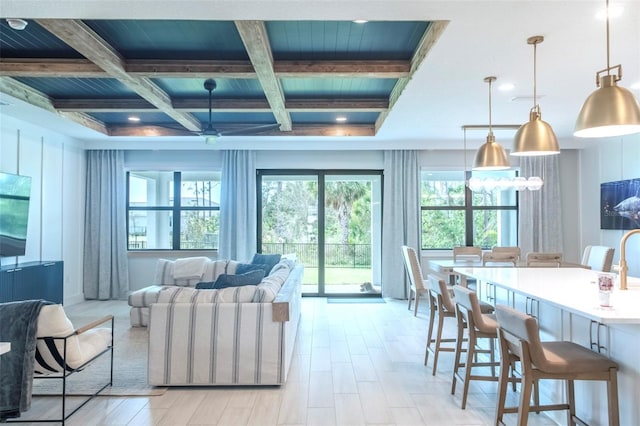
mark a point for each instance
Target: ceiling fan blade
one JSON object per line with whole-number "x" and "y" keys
{"x": 252, "y": 130}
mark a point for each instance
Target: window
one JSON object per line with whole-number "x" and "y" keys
{"x": 173, "y": 210}
{"x": 452, "y": 215}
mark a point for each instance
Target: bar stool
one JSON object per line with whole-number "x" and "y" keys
{"x": 442, "y": 305}
{"x": 519, "y": 339}
{"x": 480, "y": 326}
{"x": 509, "y": 250}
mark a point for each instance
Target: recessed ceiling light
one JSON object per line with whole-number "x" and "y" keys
{"x": 17, "y": 23}
{"x": 505, "y": 87}
{"x": 359, "y": 21}
{"x": 134, "y": 118}
{"x": 615, "y": 11}
{"x": 341, "y": 119}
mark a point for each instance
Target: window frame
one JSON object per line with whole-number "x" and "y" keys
{"x": 469, "y": 210}
{"x": 176, "y": 209}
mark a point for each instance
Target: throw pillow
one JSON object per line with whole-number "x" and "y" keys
{"x": 205, "y": 285}
{"x": 243, "y": 268}
{"x": 237, "y": 280}
{"x": 266, "y": 259}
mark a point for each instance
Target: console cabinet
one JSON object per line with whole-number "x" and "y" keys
{"x": 32, "y": 280}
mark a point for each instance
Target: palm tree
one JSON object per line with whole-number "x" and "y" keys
{"x": 341, "y": 196}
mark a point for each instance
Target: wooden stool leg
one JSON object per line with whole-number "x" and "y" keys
{"x": 458, "y": 352}
{"x": 612, "y": 397}
{"x": 471, "y": 347}
{"x": 571, "y": 400}
{"x": 525, "y": 398}
{"x": 432, "y": 315}
{"x": 410, "y": 296}
{"x": 506, "y": 363}
{"x": 438, "y": 342}
{"x": 415, "y": 307}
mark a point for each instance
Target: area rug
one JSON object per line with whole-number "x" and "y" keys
{"x": 355, "y": 300}
{"x": 129, "y": 367}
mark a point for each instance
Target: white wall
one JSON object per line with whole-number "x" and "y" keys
{"x": 56, "y": 165}
{"x": 609, "y": 160}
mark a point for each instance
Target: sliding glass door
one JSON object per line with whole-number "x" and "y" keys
{"x": 331, "y": 220}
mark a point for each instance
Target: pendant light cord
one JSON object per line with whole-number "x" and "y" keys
{"x": 608, "y": 63}
{"x": 490, "y": 128}
{"x": 535, "y": 79}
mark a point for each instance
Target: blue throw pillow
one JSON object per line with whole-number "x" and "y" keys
{"x": 243, "y": 268}
{"x": 205, "y": 285}
{"x": 270, "y": 260}
{"x": 237, "y": 280}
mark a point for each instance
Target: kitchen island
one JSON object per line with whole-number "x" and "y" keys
{"x": 566, "y": 303}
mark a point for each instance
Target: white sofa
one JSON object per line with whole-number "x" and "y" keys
{"x": 234, "y": 336}
{"x": 203, "y": 269}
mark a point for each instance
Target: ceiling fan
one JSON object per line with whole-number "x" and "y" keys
{"x": 212, "y": 134}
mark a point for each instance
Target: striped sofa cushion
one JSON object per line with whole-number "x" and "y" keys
{"x": 53, "y": 322}
{"x": 270, "y": 286}
{"x": 241, "y": 294}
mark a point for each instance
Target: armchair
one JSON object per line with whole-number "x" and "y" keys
{"x": 62, "y": 350}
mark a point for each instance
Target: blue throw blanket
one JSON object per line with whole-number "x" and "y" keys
{"x": 18, "y": 325}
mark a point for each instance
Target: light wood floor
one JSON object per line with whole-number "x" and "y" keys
{"x": 354, "y": 364}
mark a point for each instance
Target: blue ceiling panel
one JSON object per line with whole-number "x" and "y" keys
{"x": 236, "y": 117}
{"x": 172, "y": 39}
{"x": 338, "y": 87}
{"x": 80, "y": 88}
{"x": 330, "y": 117}
{"x": 225, "y": 88}
{"x": 32, "y": 42}
{"x": 344, "y": 40}
{"x": 145, "y": 118}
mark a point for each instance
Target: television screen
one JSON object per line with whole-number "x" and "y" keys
{"x": 14, "y": 213}
{"x": 620, "y": 204}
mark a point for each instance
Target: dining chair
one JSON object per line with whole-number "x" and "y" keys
{"x": 417, "y": 282}
{"x": 544, "y": 259}
{"x": 513, "y": 250}
{"x": 598, "y": 258}
{"x": 467, "y": 253}
{"x": 519, "y": 341}
{"x": 499, "y": 259}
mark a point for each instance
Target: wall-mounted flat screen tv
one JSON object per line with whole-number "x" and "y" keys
{"x": 15, "y": 191}
{"x": 620, "y": 204}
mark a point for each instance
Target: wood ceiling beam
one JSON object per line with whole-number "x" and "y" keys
{"x": 221, "y": 105}
{"x": 38, "y": 99}
{"x": 338, "y": 130}
{"x": 85, "y": 41}
{"x": 346, "y": 69}
{"x": 190, "y": 69}
{"x": 83, "y": 68}
{"x": 256, "y": 41}
{"x": 428, "y": 40}
{"x": 36, "y": 67}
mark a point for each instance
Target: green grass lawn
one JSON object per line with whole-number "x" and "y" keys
{"x": 338, "y": 275}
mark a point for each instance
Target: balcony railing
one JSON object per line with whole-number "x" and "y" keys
{"x": 336, "y": 255}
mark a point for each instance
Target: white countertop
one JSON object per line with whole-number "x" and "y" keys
{"x": 572, "y": 289}
{"x": 5, "y": 347}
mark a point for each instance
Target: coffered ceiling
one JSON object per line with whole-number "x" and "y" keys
{"x": 410, "y": 77}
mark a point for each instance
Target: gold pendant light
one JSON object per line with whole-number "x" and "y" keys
{"x": 491, "y": 155}
{"x": 610, "y": 110}
{"x": 535, "y": 137}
